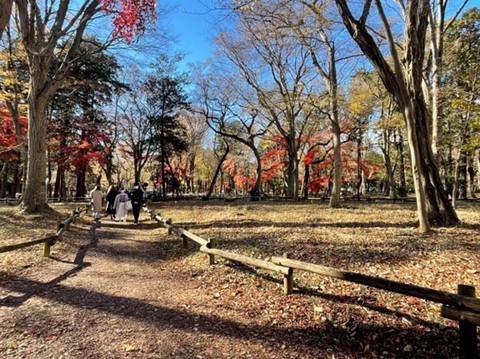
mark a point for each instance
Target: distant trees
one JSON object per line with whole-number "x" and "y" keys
{"x": 166, "y": 98}
{"x": 231, "y": 112}
{"x": 279, "y": 88}
{"x": 76, "y": 117}
{"x": 277, "y": 69}
{"x": 462, "y": 109}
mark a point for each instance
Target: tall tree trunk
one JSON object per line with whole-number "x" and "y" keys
{"x": 462, "y": 185}
{"x": 437, "y": 28}
{"x": 3, "y": 180}
{"x": 476, "y": 165}
{"x": 337, "y": 167}
{"x": 440, "y": 211}
{"x": 81, "y": 189}
{"x": 191, "y": 170}
{"x": 417, "y": 170}
{"x": 401, "y": 157}
{"x": 388, "y": 165}
{"x": 258, "y": 180}
{"x": 217, "y": 171}
{"x": 404, "y": 81}
{"x": 471, "y": 178}
{"x": 455, "y": 184}
{"x": 60, "y": 190}
{"x": 306, "y": 180}
{"x": 292, "y": 176}
{"x": 359, "y": 167}
{"x": 17, "y": 179}
{"x": 34, "y": 195}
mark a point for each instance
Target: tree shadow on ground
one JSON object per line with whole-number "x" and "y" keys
{"x": 316, "y": 224}
{"x": 313, "y": 340}
{"x": 123, "y": 246}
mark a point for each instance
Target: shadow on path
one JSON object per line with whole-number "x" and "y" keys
{"x": 313, "y": 339}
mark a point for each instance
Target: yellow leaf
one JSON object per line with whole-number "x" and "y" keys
{"x": 129, "y": 347}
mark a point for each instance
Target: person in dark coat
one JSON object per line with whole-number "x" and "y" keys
{"x": 136, "y": 197}
{"x": 111, "y": 195}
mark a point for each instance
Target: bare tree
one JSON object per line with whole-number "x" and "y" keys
{"x": 438, "y": 27}
{"x": 195, "y": 131}
{"x": 403, "y": 79}
{"x": 138, "y": 134}
{"x": 278, "y": 70}
{"x": 230, "y": 113}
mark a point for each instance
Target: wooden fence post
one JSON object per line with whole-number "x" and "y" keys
{"x": 468, "y": 332}
{"x": 287, "y": 279}
{"x": 211, "y": 257}
{"x": 184, "y": 241}
{"x": 46, "y": 248}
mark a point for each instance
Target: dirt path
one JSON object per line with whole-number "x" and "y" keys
{"x": 125, "y": 292}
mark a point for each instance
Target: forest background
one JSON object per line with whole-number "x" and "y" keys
{"x": 299, "y": 99}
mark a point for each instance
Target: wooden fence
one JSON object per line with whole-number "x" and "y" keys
{"x": 50, "y": 239}
{"x": 462, "y": 307}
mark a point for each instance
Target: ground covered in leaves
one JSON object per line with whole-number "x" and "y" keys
{"x": 112, "y": 290}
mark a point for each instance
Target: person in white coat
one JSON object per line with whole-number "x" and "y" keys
{"x": 119, "y": 205}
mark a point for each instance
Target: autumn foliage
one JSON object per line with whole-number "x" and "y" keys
{"x": 8, "y": 137}
{"x": 130, "y": 16}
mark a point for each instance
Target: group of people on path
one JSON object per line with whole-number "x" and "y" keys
{"x": 119, "y": 202}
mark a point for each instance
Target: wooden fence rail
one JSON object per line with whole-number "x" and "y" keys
{"x": 437, "y": 296}
{"x": 247, "y": 260}
{"x": 462, "y": 307}
{"x": 50, "y": 239}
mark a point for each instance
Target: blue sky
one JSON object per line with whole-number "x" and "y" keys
{"x": 193, "y": 24}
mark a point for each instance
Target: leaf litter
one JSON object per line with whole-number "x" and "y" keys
{"x": 144, "y": 296}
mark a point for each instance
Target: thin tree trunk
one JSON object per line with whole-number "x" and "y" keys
{"x": 388, "y": 166}
{"x": 359, "y": 168}
{"x": 258, "y": 180}
{"x": 17, "y": 179}
{"x": 4, "y": 179}
{"x": 471, "y": 178}
{"x": 455, "y": 184}
{"x": 337, "y": 167}
{"x": 402, "y": 167}
{"x": 217, "y": 171}
{"x": 306, "y": 180}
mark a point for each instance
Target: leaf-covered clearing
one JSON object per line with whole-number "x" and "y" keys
{"x": 139, "y": 294}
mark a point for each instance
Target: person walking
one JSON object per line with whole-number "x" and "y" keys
{"x": 137, "y": 200}
{"x": 96, "y": 197}
{"x": 120, "y": 206}
{"x": 111, "y": 195}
